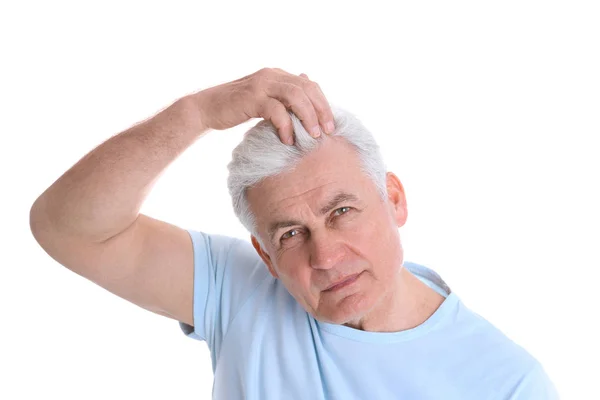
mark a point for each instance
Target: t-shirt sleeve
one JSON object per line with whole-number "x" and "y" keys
{"x": 227, "y": 271}
{"x": 535, "y": 385}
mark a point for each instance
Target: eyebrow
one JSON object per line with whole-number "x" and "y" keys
{"x": 332, "y": 203}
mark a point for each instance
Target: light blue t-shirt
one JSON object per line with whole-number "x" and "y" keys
{"x": 265, "y": 346}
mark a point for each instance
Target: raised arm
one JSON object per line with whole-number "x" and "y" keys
{"x": 89, "y": 219}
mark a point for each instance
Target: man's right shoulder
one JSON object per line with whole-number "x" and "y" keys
{"x": 232, "y": 264}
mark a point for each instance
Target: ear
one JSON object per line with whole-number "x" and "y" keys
{"x": 396, "y": 198}
{"x": 265, "y": 257}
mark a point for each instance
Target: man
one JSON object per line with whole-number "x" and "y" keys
{"x": 321, "y": 305}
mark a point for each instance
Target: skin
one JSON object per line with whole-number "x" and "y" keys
{"x": 355, "y": 236}
{"x": 89, "y": 220}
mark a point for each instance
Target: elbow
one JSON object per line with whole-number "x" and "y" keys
{"x": 38, "y": 221}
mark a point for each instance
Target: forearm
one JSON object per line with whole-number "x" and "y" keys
{"x": 101, "y": 195}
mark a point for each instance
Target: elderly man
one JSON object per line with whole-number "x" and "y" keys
{"x": 322, "y": 304}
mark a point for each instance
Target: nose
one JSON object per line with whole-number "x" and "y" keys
{"x": 325, "y": 250}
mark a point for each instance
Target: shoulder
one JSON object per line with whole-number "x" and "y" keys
{"x": 227, "y": 254}
{"x": 491, "y": 341}
{"x": 227, "y": 270}
{"x": 495, "y": 351}
{"x": 506, "y": 365}
{"x": 534, "y": 384}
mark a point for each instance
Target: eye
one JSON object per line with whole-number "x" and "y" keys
{"x": 289, "y": 234}
{"x": 342, "y": 208}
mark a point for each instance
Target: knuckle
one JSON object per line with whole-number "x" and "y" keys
{"x": 312, "y": 85}
{"x": 307, "y": 87}
{"x": 296, "y": 93}
{"x": 261, "y": 76}
{"x": 312, "y": 88}
{"x": 321, "y": 113}
{"x": 264, "y": 71}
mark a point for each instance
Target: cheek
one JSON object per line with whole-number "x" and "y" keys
{"x": 380, "y": 240}
{"x": 372, "y": 231}
{"x": 297, "y": 280}
{"x": 298, "y": 284}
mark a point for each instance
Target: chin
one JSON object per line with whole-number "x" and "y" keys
{"x": 349, "y": 310}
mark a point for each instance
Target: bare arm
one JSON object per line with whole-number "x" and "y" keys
{"x": 101, "y": 195}
{"x": 89, "y": 220}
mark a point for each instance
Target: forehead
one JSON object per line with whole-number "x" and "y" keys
{"x": 324, "y": 173}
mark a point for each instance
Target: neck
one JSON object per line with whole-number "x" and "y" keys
{"x": 407, "y": 305}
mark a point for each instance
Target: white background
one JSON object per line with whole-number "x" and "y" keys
{"x": 489, "y": 113}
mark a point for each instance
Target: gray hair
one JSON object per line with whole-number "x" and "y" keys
{"x": 261, "y": 154}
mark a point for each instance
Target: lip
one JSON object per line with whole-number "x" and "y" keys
{"x": 349, "y": 280}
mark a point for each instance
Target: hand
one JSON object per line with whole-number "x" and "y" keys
{"x": 267, "y": 94}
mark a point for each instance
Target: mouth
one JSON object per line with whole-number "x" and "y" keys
{"x": 345, "y": 282}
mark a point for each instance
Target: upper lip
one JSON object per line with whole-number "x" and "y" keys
{"x": 342, "y": 280}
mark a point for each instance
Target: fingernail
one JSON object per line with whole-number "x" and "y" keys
{"x": 289, "y": 141}
{"x": 329, "y": 128}
{"x": 315, "y": 131}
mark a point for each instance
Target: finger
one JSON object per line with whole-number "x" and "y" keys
{"x": 294, "y": 98}
{"x": 318, "y": 99}
{"x": 320, "y": 104}
{"x": 275, "y": 112}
